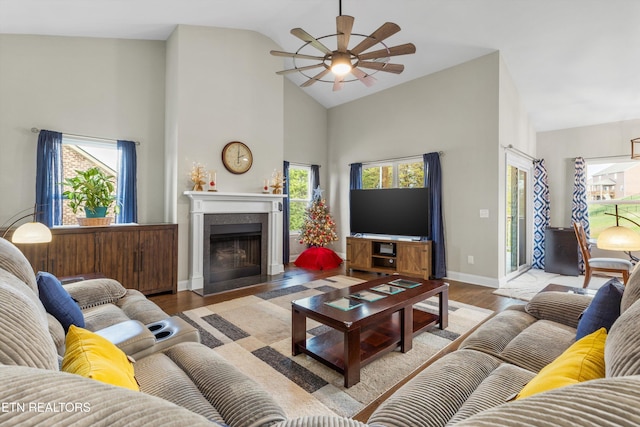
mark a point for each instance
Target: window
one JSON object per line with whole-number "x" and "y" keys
{"x": 299, "y": 195}
{"x": 609, "y": 185}
{"x": 82, "y": 154}
{"x": 407, "y": 173}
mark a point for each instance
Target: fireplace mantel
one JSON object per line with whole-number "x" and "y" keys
{"x": 205, "y": 202}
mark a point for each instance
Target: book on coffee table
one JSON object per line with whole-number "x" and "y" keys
{"x": 344, "y": 304}
{"x": 367, "y": 296}
{"x": 388, "y": 289}
{"x": 404, "y": 283}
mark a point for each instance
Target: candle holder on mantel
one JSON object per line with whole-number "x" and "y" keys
{"x": 277, "y": 182}
{"x": 265, "y": 186}
{"x": 213, "y": 182}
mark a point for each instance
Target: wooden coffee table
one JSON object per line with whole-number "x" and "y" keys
{"x": 366, "y": 332}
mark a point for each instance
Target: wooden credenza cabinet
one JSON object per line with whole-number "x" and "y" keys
{"x": 142, "y": 257}
{"x": 389, "y": 256}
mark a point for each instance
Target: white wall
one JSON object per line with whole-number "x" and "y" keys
{"x": 454, "y": 111}
{"x": 305, "y": 129}
{"x": 108, "y": 88}
{"x": 514, "y": 129}
{"x": 305, "y": 140}
{"x": 560, "y": 148}
{"x": 221, "y": 87}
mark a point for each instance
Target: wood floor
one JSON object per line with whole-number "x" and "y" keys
{"x": 479, "y": 296}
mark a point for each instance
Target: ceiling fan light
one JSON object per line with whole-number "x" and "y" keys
{"x": 341, "y": 64}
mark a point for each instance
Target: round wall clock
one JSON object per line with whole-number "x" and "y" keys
{"x": 237, "y": 157}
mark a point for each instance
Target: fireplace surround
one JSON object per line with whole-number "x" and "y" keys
{"x": 233, "y": 249}
{"x": 233, "y": 208}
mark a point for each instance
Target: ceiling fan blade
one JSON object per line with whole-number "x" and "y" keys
{"x": 295, "y": 55}
{"x": 403, "y": 49}
{"x": 386, "y": 30}
{"x": 293, "y": 70}
{"x": 382, "y": 66}
{"x": 304, "y": 36}
{"x": 363, "y": 77}
{"x": 344, "y": 24}
{"x": 315, "y": 78}
{"x": 338, "y": 83}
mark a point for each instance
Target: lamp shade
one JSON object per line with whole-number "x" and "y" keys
{"x": 31, "y": 232}
{"x": 619, "y": 238}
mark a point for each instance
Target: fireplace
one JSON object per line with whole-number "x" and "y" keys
{"x": 235, "y": 251}
{"x": 234, "y": 211}
{"x": 235, "y": 247}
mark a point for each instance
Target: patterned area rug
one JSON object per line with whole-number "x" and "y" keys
{"x": 254, "y": 334}
{"x": 531, "y": 282}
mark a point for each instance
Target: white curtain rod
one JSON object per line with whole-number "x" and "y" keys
{"x": 110, "y": 140}
{"x": 440, "y": 153}
{"x": 303, "y": 164}
{"x": 618, "y": 156}
{"x": 522, "y": 153}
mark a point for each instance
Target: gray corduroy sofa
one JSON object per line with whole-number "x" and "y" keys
{"x": 183, "y": 384}
{"x": 475, "y": 384}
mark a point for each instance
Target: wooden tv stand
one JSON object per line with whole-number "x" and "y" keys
{"x": 412, "y": 258}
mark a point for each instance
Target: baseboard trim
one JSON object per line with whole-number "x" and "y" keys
{"x": 489, "y": 282}
{"x": 183, "y": 285}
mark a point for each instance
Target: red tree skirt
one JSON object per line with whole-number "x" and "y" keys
{"x": 317, "y": 258}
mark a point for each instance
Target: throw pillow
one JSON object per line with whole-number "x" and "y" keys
{"x": 58, "y": 302}
{"x": 583, "y": 361}
{"x": 92, "y": 356}
{"x": 603, "y": 310}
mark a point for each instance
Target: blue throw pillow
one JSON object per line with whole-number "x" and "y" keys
{"x": 603, "y": 310}
{"x": 58, "y": 302}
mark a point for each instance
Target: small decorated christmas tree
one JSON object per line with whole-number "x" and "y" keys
{"x": 319, "y": 228}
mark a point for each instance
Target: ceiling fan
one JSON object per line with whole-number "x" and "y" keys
{"x": 344, "y": 61}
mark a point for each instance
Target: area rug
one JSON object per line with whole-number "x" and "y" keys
{"x": 531, "y": 282}
{"x": 254, "y": 334}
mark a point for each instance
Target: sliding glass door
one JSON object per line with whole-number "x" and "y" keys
{"x": 518, "y": 215}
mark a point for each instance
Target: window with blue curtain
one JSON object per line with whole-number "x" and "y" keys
{"x": 49, "y": 178}
{"x": 433, "y": 180}
{"x": 355, "y": 176}
{"x": 60, "y": 155}
{"x": 315, "y": 178}
{"x": 285, "y": 214}
{"x": 126, "y": 188}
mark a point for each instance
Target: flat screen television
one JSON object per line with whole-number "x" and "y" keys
{"x": 390, "y": 211}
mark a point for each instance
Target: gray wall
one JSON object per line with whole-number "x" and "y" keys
{"x": 221, "y": 87}
{"x": 99, "y": 87}
{"x": 560, "y": 148}
{"x": 454, "y": 111}
{"x": 305, "y": 139}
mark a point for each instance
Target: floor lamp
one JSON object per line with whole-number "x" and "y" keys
{"x": 619, "y": 238}
{"x": 30, "y": 232}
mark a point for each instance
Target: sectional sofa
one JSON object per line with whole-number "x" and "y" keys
{"x": 182, "y": 382}
{"x": 503, "y": 374}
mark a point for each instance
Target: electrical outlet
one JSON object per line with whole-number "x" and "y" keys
{"x": 470, "y": 259}
{"x": 484, "y": 213}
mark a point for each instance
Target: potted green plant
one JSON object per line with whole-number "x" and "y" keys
{"x": 92, "y": 190}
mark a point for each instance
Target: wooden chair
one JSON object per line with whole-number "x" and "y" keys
{"x": 608, "y": 265}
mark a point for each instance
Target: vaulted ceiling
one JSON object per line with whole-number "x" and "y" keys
{"x": 575, "y": 62}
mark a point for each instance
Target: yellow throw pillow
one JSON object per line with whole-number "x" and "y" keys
{"x": 93, "y": 356}
{"x": 583, "y": 361}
